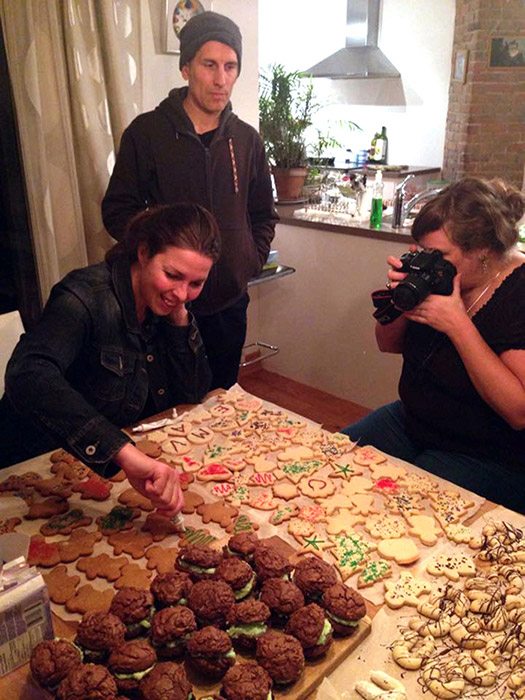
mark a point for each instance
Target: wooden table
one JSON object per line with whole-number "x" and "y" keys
{"x": 18, "y": 686}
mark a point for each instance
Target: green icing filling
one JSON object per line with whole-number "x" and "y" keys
{"x": 253, "y": 630}
{"x": 196, "y": 569}
{"x": 348, "y": 623}
{"x": 327, "y": 628}
{"x": 242, "y": 592}
{"x": 137, "y": 676}
{"x": 230, "y": 654}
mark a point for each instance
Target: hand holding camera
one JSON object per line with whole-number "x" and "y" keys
{"x": 426, "y": 272}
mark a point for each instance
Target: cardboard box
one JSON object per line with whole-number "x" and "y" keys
{"x": 25, "y": 613}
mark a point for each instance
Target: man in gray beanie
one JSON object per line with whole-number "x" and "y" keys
{"x": 193, "y": 148}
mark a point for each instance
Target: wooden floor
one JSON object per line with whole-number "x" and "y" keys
{"x": 330, "y": 411}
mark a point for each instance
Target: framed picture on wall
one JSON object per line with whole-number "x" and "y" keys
{"x": 177, "y": 13}
{"x": 507, "y": 52}
{"x": 460, "y": 65}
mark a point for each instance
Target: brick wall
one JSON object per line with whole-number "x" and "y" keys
{"x": 485, "y": 132}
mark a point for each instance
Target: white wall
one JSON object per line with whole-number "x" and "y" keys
{"x": 161, "y": 71}
{"x": 416, "y": 35}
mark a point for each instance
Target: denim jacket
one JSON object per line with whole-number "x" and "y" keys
{"x": 89, "y": 368}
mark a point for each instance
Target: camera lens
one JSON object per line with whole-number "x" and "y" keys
{"x": 410, "y": 292}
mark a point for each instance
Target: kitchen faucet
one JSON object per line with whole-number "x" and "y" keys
{"x": 403, "y": 208}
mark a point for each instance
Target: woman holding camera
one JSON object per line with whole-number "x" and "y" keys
{"x": 461, "y": 413}
{"x": 116, "y": 344}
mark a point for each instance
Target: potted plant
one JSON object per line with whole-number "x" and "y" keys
{"x": 286, "y": 107}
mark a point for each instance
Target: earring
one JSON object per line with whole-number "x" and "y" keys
{"x": 484, "y": 263}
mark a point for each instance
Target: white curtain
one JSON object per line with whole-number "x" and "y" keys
{"x": 73, "y": 66}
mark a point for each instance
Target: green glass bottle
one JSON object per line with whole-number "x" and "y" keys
{"x": 376, "y": 211}
{"x": 379, "y": 150}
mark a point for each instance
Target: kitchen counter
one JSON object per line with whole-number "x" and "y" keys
{"x": 354, "y": 227}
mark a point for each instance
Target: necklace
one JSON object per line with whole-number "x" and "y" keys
{"x": 483, "y": 292}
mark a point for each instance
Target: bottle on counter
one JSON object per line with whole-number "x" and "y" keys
{"x": 376, "y": 211}
{"x": 379, "y": 149}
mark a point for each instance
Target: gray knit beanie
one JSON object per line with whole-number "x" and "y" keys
{"x": 208, "y": 26}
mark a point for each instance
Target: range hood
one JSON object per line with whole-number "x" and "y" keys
{"x": 361, "y": 58}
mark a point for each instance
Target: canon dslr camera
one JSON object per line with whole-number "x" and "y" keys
{"x": 427, "y": 273}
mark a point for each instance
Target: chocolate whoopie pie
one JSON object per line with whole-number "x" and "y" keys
{"x": 247, "y": 681}
{"x": 211, "y": 601}
{"x": 51, "y": 660}
{"x": 242, "y": 545}
{"x": 313, "y": 576}
{"x": 310, "y": 626}
{"x": 130, "y": 663}
{"x": 210, "y": 652}
{"x": 238, "y": 574}
{"x": 134, "y": 606}
{"x": 268, "y": 563}
{"x": 247, "y": 621}
{"x": 281, "y": 655}
{"x": 171, "y": 589}
{"x": 198, "y": 561}
{"x": 97, "y": 634}
{"x": 170, "y": 630}
{"x": 282, "y": 597}
{"x": 167, "y": 681}
{"x": 88, "y": 681}
{"x": 344, "y": 608}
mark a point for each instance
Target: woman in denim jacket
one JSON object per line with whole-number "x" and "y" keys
{"x": 115, "y": 344}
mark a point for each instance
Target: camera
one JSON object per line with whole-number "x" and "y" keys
{"x": 427, "y": 273}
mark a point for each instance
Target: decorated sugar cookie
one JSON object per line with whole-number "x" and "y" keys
{"x": 241, "y": 524}
{"x": 262, "y": 479}
{"x": 214, "y": 471}
{"x": 226, "y": 425}
{"x": 189, "y": 464}
{"x": 262, "y": 501}
{"x": 200, "y": 435}
{"x": 179, "y": 429}
{"x": 374, "y": 571}
{"x": 295, "y": 471}
{"x": 222, "y": 489}
{"x": 299, "y": 529}
{"x": 414, "y": 482}
{"x": 234, "y": 464}
{"x": 367, "y": 455}
{"x": 449, "y": 506}
{"x": 452, "y": 566}
{"x": 405, "y": 590}
{"x": 386, "y": 485}
{"x": 200, "y": 415}
{"x": 216, "y": 453}
{"x": 351, "y": 553}
{"x": 404, "y": 503}
{"x": 342, "y": 469}
{"x": 248, "y": 403}
{"x": 176, "y": 445}
{"x": 316, "y": 544}
{"x": 283, "y": 513}
{"x": 222, "y": 410}
{"x": 385, "y": 526}
{"x": 316, "y": 487}
{"x": 313, "y": 513}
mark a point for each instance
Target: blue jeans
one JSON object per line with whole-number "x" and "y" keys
{"x": 385, "y": 429}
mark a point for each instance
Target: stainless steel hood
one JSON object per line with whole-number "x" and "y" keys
{"x": 361, "y": 57}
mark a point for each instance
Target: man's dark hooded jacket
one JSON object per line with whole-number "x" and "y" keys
{"x": 162, "y": 161}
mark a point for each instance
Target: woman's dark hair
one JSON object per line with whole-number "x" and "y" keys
{"x": 475, "y": 214}
{"x": 181, "y": 225}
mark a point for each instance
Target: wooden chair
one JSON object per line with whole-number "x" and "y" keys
{"x": 11, "y": 329}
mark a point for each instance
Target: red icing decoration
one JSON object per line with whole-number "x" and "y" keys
{"x": 386, "y": 484}
{"x": 94, "y": 488}
{"x": 215, "y": 468}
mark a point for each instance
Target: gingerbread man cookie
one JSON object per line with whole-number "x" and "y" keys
{"x": 60, "y": 584}
{"x": 162, "y": 558}
{"x": 131, "y": 542}
{"x": 217, "y": 512}
{"x": 80, "y": 544}
{"x": 102, "y": 566}
{"x": 89, "y": 599}
{"x": 135, "y": 576}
